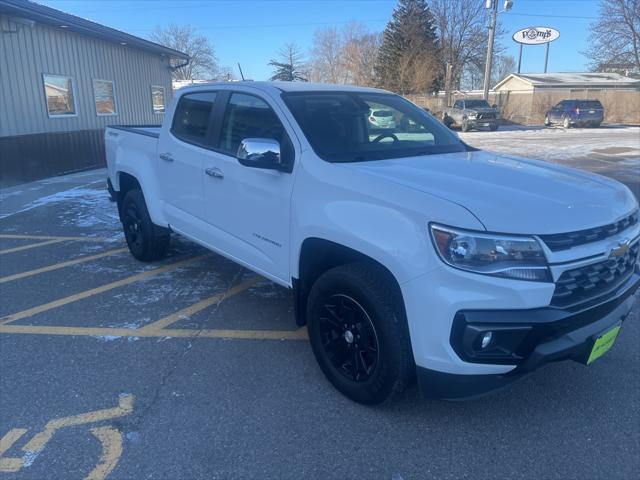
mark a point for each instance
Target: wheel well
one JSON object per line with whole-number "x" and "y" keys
{"x": 127, "y": 183}
{"x": 316, "y": 257}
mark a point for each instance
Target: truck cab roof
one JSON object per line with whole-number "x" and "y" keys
{"x": 284, "y": 87}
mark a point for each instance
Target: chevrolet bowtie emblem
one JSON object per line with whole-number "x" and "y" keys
{"x": 621, "y": 249}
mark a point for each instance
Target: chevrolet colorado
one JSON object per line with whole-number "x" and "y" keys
{"x": 412, "y": 256}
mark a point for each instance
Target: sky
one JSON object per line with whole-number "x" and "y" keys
{"x": 252, "y": 31}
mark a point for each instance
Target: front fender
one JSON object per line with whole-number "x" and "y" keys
{"x": 395, "y": 239}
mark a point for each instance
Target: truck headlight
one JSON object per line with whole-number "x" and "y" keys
{"x": 472, "y": 115}
{"x": 517, "y": 257}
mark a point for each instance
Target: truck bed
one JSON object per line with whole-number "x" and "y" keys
{"x": 131, "y": 148}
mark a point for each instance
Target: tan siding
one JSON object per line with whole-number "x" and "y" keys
{"x": 26, "y": 55}
{"x": 516, "y": 85}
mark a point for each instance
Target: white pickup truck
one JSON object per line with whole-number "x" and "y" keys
{"x": 412, "y": 255}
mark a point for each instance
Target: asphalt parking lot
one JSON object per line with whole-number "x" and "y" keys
{"x": 193, "y": 368}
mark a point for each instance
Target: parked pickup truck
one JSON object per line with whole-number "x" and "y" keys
{"x": 468, "y": 114}
{"x": 411, "y": 254}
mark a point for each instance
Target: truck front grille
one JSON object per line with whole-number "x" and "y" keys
{"x": 587, "y": 283}
{"x": 486, "y": 116}
{"x": 564, "y": 241}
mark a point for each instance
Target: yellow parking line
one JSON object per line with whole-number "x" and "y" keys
{"x": 56, "y": 266}
{"x": 10, "y": 464}
{"x": 111, "y": 440}
{"x": 31, "y": 245}
{"x": 49, "y": 237}
{"x": 196, "y": 307}
{"x": 94, "y": 291}
{"x": 37, "y": 443}
{"x": 300, "y": 334}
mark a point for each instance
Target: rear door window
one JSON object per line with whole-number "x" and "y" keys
{"x": 248, "y": 116}
{"x": 192, "y": 119}
{"x": 590, "y": 105}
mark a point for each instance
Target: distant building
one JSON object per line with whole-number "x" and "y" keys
{"x": 63, "y": 79}
{"x": 523, "y": 98}
{"x": 534, "y": 82}
{"x": 177, "y": 84}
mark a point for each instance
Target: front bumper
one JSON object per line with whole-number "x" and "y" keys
{"x": 483, "y": 122}
{"x": 543, "y": 335}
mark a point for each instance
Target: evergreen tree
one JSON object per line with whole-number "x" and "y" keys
{"x": 290, "y": 67}
{"x": 408, "y": 59}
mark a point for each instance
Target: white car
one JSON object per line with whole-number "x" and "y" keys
{"x": 382, "y": 119}
{"x": 411, "y": 255}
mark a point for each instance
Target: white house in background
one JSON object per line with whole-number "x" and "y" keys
{"x": 176, "y": 84}
{"x": 537, "y": 82}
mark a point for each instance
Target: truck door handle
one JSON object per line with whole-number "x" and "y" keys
{"x": 214, "y": 172}
{"x": 166, "y": 156}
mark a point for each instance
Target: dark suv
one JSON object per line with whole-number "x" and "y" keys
{"x": 575, "y": 112}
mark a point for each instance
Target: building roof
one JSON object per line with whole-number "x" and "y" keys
{"x": 573, "y": 80}
{"x": 50, "y": 16}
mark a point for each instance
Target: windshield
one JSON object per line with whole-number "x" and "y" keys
{"x": 344, "y": 126}
{"x": 476, "y": 104}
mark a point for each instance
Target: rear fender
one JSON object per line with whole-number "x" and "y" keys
{"x": 147, "y": 179}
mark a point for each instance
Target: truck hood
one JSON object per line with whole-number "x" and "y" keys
{"x": 481, "y": 110}
{"x": 511, "y": 194}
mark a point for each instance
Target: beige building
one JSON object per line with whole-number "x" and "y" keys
{"x": 525, "y": 97}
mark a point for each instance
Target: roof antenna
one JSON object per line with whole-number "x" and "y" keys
{"x": 241, "y": 74}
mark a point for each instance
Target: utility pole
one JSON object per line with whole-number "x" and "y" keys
{"x": 493, "y": 4}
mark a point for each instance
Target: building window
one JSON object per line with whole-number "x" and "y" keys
{"x": 104, "y": 95}
{"x": 157, "y": 99}
{"x": 59, "y": 93}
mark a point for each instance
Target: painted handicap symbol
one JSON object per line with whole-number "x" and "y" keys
{"x": 109, "y": 437}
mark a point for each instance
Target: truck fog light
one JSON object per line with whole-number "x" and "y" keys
{"x": 486, "y": 339}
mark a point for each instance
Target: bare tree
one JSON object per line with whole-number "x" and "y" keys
{"x": 415, "y": 72}
{"x": 327, "y": 63}
{"x": 503, "y": 65}
{"x": 360, "y": 51}
{"x": 462, "y": 32}
{"x": 615, "y": 36}
{"x": 290, "y": 66}
{"x": 203, "y": 63}
{"x": 344, "y": 55}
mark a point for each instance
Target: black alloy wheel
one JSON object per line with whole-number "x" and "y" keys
{"x": 132, "y": 225}
{"x": 146, "y": 241}
{"x": 349, "y": 338}
{"x": 359, "y": 333}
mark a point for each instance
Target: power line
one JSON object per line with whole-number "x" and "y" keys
{"x": 551, "y": 16}
{"x": 280, "y": 25}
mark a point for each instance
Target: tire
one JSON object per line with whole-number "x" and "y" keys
{"x": 596, "y": 124}
{"x": 493, "y": 127}
{"x": 146, "y": 241}
{"x": 370, "y": 359}
{"x": 465, "y": 125}
{"x": 566, "y": 123}
{"x": 448, "y": 122}
{"x": 547, "y": 122}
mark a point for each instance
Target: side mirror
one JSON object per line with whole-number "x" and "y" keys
{"x": 260, "y": 153}
{"x": 494, "y": 106}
